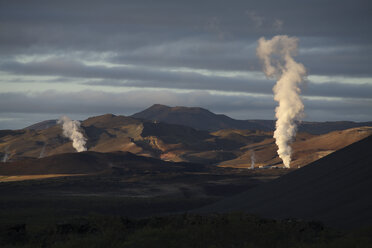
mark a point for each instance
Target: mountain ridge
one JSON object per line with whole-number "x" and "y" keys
{"x": 173, "y": 142}
{"x": 203, "y": 119}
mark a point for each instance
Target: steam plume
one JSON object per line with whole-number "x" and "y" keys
{"x": 71, "y": 131}
{"x": 277, "y": 58}
{"x": 253, "y": 159}
{"x": 5, "y": 158}
{"x": 42, "y": 152}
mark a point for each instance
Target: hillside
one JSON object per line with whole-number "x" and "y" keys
{"x": 203, "y": 119}
{"x": 106, "y": 133}
{"x": 335, "y": 189}
{"x": 42, "y": 125}
{"x": 306, "y": 148}
{"x": 199, "y": 118}
{"x": 88, "y": 163}
{"x": 172, "y": 142}
{"x": 110, "y": 133}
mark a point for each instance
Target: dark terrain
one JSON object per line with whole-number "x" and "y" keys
{"x": 118, "y": 183}
{"x": 335, "y": 190}
{"x": 96, "y": 198}
{"x": 185, "y": 231}
{"x": 123, "y": 200}
{"x": 140, "y": 179}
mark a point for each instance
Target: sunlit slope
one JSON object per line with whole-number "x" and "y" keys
{"x": 171, "y": 142}
{"x": 306, "y": 148}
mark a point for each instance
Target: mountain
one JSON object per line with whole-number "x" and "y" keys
{"x": 335, "y": 189}
{"x": 200, "y": 118}
{"x": 171, "y": 142}
{"x": 203, "y": 119}
{"x": 42, "y": 125}
{"x": 105, "y": 133}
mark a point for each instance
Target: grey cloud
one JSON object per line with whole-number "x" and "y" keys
{"x": 335, "y": 39}
{"x": 323, "y": 59}
{"x": 94, "y": 102}
{"x": 196, "y": 53}
{"x": 248, "y": 86}
{"x": 338, "y": 90}
{"x": 138, "y": 76}
{"x": 142, "y": 77}
{"x": 124, "y": 27}
{"x": 338, "y": 110}
{"x": 88, "y": 103}
{"x": 347, "y": 60}
{"x": 21, "y": 120}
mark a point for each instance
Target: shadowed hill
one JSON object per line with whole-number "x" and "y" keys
{"x": 335, "y": 189}
{"x": 199, "y": 118}
{"x": 203, "y": 119}
{"x": 92, "y": 163}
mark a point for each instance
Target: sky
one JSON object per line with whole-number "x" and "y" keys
{"x": 85, "y": 58}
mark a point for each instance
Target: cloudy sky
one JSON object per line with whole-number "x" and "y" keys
{"x": 84, "y": 58}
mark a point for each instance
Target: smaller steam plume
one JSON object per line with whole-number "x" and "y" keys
{"x": 71, "y": 130}
{"x": 42, "y": 152}
{"x": 5, "y": 158}
{"x": 253, "y": 159}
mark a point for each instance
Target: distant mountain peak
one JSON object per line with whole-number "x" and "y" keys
{"x": 196, "y": 117}
{"x": 203, "y": 119}
{"x": 159, "y": 106}
{"x": 42, "y": 125}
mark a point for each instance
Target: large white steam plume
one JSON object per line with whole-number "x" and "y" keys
{"x": 71, "y": 130}
{"x": 277, "y": 57}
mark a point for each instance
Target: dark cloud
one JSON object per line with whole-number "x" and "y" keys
{"x": 344, "y": 60}
{"x": 94, "y": 102}
{"x": 218, "y": 31}
{"x": 145, "y": 77}
{"x": 336, "y": 89}
{"x": 335, "y": 39}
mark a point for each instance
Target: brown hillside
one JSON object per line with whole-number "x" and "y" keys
{"x": 170, "y": 142}
{"x": 306, "y": 148}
